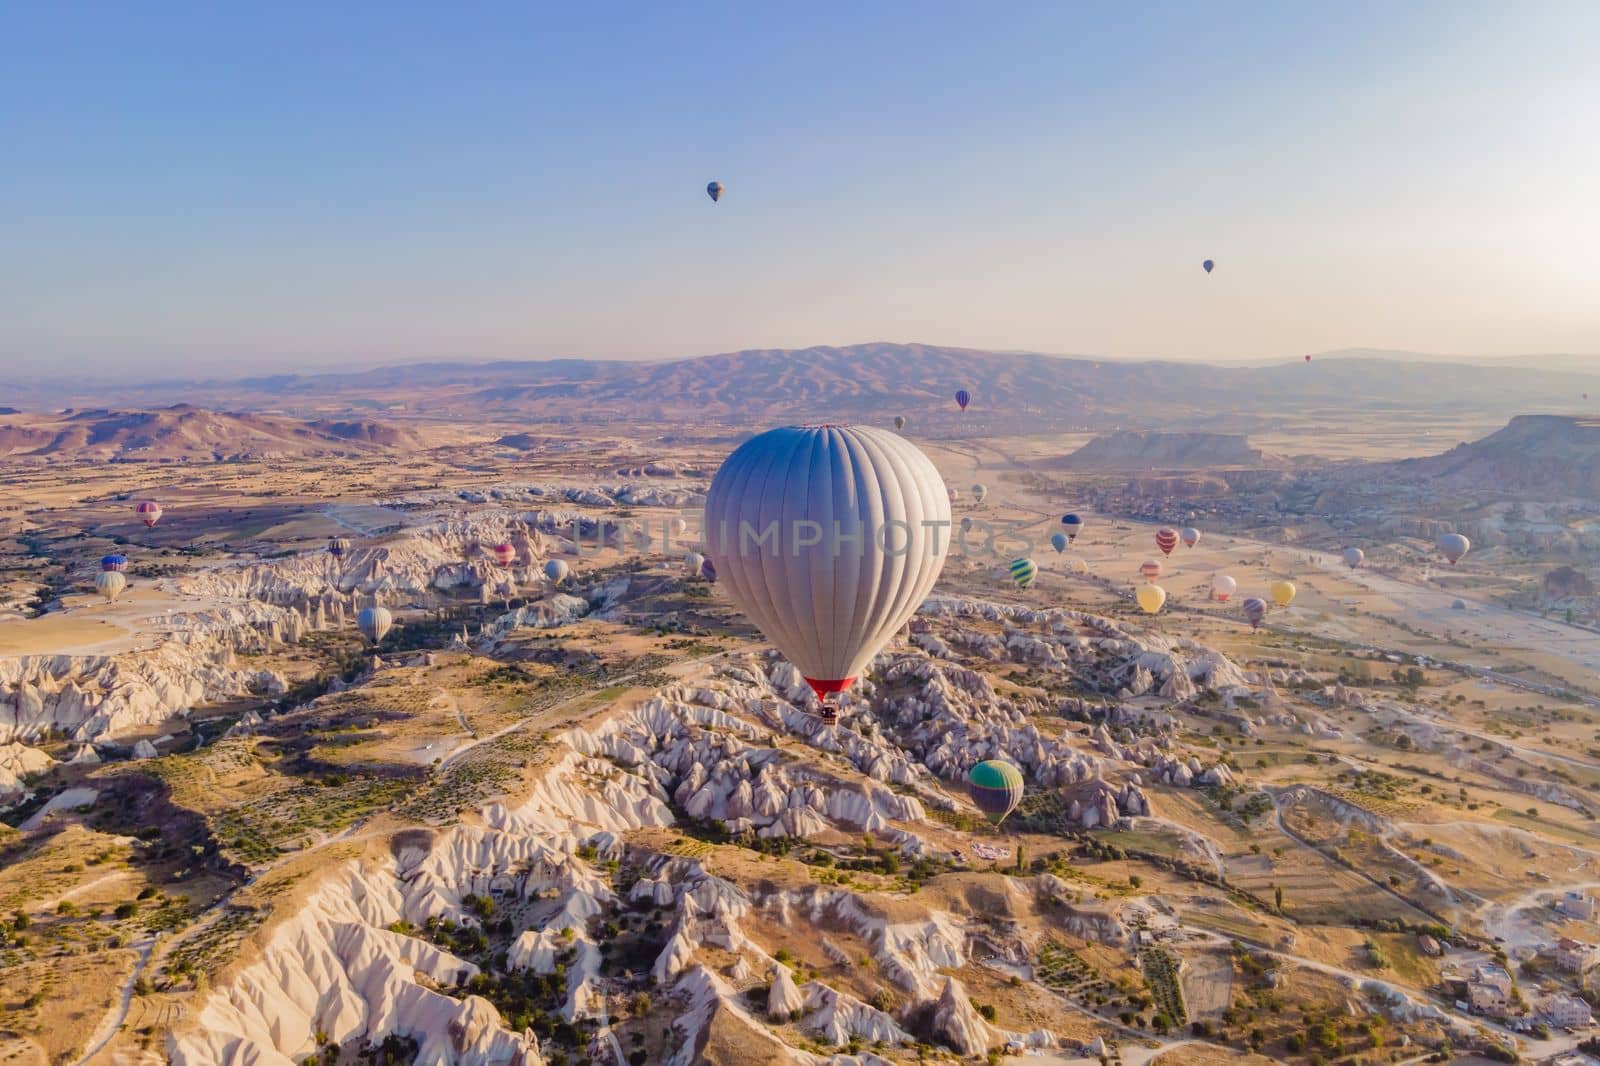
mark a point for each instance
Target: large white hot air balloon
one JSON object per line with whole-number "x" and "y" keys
{"x": 1453, "y": 546}
{"x": 1353, "y": 557}
{"x": 110, "y": 583}
{"x": 829, "y": 538}
{"x": 374, "y": 623}
{"x": 557, "y": 570}
{"x": 1223, "y": 586}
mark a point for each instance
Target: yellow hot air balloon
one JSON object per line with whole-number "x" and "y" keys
{"x": 1282, "y": 593}
{"x": 1151, "y": 598}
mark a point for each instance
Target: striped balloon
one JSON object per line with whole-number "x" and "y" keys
{"x": 114, "y": 563}
{"x": 995, "y": 788}
{"x": 337, "y": 546}
{"x": 504, "y": 554}
{"x": 1255, "y": 610}
{"x": 1151, "y": 569}
{"x": 963, "y": 398}
{"x": 1166, "y": 540}
{"x": 1023, "y": 572}
{"x": 149, "y": 512}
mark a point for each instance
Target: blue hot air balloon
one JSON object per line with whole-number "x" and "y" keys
{"x": 963, "y": 397}
{"x": 114, "y": 563}
{"x": 1058, "y": 541}
{"x": 1074, "y": 525}
{"x": 714, "y": 190}
{"x": 1208, "y": 264}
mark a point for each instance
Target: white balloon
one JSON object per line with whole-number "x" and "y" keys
{"x": 693, "y": 562}
{"x": 1223, "y": 586}
{"x": 557, "y": 570}
{"x": 829, "y": 538}
{"x": 374, "y": 623}
{"x": 110, "y": 583}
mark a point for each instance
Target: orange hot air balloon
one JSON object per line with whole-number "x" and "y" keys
{"x": 1151, "y": 569}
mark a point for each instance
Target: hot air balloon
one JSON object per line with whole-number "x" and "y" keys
{"x": 1282, "y": 592}
{"x": 693, "y": 563}
{"x": 337, "y": 546}
{"x": 899, "y": 422}
{"x": 1166, "y": 540}
{"x": 1308, "y": 359}
{"x": 714, "y": 190}
{"x": 149, "y": 512}
{"x": 1255, "y": 609}
{"x": 1223, "y": 586}
{"x": 1023, "y": 572}
{"x": 827, "y": 539}
{"x": 374, "y": 623}
{"x": 1354, "y": 557}
{"x": 1208, "y": 264}
{"x": 1074, "y": 525}
{"x": 708, "y": 570}
{"x": 504, "y": 554}
{"x": 980, "y": 492}
{"x": 954, "y": 494}
{"x": 966, "y": 524}
{"x": 995, "y": 788}
{"x": 113, "y": 563}
{"x": 110, "y": 583}
{"x": 1151, "y": 598}
{"x": 1058, "y": 541}
{"x": 557, "y": 570}
{"x": 1190, "y": 536}
{"x": 963, "y": 398}
{"x": 1077, "y": 565}
{"x": 1151, "y": 569}
{"x": 1453, "y": 546}
{"x": 677, "y": 526}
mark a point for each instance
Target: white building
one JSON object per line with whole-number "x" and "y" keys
{"x": 1489, "y": 991}
{"x": 1577, "y": 905}
{"x": 1568, "y": 1012}
{"x": 1574, "y": 956}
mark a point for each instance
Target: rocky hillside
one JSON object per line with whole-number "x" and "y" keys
{"x": 1129, "y": 450}
{"x": 188, "y": 433}
{"x": 1547, "y": 455}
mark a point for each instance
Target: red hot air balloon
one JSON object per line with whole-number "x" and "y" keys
{"x": 1166, "y": 540}
{"x": 1308, "y": 359}
{"x": 149, "y": 513}
{"x": 1151, "y": 569}
{"x": 504, "y": 554}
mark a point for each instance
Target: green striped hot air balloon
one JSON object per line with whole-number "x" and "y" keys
{"x": 1022, "y": 572}
{"x": 995, "y": 788}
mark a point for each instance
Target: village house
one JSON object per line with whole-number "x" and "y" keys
{"x": 1574, "y": 956}
{"x": 1489, "y": 991}
{"x": 1567, "y": 1012}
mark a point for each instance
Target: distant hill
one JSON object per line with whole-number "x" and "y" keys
{"x": 1130, "y": 450}
{"x": 188, "y": 433}
{"x": 1011, "y": 391}
{"x": 1544, "y": 454}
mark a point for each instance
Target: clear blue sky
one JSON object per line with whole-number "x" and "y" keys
{"x": 293, "y": 186}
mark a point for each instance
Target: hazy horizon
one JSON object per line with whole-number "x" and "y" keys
{"x": 227, "y": 194}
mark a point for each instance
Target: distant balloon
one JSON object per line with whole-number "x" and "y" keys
{"x": 1453, "y": 546}
{"x": 504, "y": 554}
{"x": 714, "y": 190}
{"x": 1190, "y": 536}
{"x": 1354, "y": 557}
{"x": 1023, "y": 572}
{"x": 1076, "y": 565}
{"x": 557, "y": 570}
{"x": 1255, "y": 609}
{"x": 1166, "y": 540}
{"x": 996, "y": 789}
{"x": 832, "y": 600}
{"x": 115, "y": 562}
{"x": 1223, "y": 586}
{"x": 708, "y": 570}
{"x": 1209, "y": 265}
{"x": 149, "y": 513}
{"x": 1308, "y": 359}
{"x": 693, "y": 562}
{"x": 1282, "y": 592}
{"x": 678, "y": 526}
{"x": 374, "y": 623}
{"x": 963, "y": 398}
{"x": 899, "y": 422}
{"x": 980, "y": 492}
{"x": 1151, "y": 569}
{"x": 110, "y": 583}
{"x": 1074, "y": 525}
{"x": 1059, "y": 541}
{"x": 1151, "y": 598}
{"x": 966, "y": 524}
{"x": 953, "y": 493}
{"x": 337, "y": 546}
